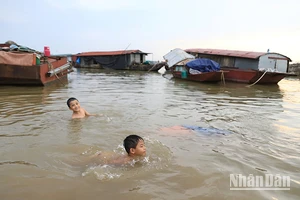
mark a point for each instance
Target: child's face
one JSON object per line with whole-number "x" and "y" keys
{"x": 75, "y": 106}
{"x": 140, "y": 149}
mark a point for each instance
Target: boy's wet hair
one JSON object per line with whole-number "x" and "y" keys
{"x": 131, "y": 141}
{"x": 71, "y": 99}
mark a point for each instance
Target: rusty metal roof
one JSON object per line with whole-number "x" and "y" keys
{"x": 109, "y": 53}
{"x": 4, "y": 45}
{"x": 232, "y": 53}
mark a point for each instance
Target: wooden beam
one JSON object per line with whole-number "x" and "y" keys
{"x": 58, "y": 70}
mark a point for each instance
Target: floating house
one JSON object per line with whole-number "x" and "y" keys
{"x": 244, "y": 59}
{"x": 248, "y": 66}
{"x": 124, "y": 59}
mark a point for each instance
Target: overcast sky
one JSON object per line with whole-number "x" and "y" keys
{"x": 154, "y": 26}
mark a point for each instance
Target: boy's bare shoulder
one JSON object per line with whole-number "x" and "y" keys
{"x": 113, "y": 158}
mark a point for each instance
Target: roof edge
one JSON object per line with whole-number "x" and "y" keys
{"x": 232, "y": 53}
{"x": 277, "y": 54}
{"x": 110, "y": 53}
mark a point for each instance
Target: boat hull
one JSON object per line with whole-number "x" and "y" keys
{"x": 36, "y": 75}
{"x": 203, "y": 77}
{"x": 252, "y": 76}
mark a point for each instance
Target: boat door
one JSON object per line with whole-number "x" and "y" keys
{"x": 281, "y": 65}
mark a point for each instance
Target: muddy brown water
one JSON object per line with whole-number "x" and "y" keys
{"x": 45, "y": 154}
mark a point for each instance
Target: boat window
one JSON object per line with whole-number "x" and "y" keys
{"x": 180, "y": 68}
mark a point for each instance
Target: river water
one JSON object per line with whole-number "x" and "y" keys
{"x": 46, "y": 155}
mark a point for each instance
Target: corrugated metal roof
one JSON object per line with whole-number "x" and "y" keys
{"x": 109, "y": 53}
{"x": 4, "y": 45}
{"x": 177, "y": 55}
{"x": 232, "y": 53}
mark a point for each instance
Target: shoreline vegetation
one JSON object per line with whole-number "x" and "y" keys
{"x": 295, "y": 67}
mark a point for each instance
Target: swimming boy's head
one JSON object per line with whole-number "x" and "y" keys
{"x": 73, "y": 104}
{"x": 70, "y": 100}
{"x": 134, "y": 145}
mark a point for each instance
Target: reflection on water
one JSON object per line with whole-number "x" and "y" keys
{"x": 44, "y": 149}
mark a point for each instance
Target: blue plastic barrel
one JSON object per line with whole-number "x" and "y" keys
{"x": 184, "y": 74}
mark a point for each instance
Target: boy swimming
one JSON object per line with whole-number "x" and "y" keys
{"x": 134, "y": 146}
{"x": 78, "y": 111}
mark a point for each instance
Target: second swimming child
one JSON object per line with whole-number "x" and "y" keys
{"x": 78, "y": 111}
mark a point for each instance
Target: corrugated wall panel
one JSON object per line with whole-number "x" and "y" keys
{"x": 242, "y": 63}
{"x": 135, "y": 58}
{"x": 223, "y": 61}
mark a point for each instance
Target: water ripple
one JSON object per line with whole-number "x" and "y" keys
{"x": 18, "y": 135}
{"x": 18, "y": 163}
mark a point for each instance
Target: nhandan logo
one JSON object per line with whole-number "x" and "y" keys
{"x": 266, "y": 182}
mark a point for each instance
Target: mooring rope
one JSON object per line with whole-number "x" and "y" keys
{"x": 223, "y": 77}
{"x": 152, "y": 67}
{"x": 258, "y": 79}
{"x": 50, "y": 67}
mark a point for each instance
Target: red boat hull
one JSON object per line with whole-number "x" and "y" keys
{"x": 33, "y": 75}
{"x": 251, "y": 76}
{"x": 203, "y": 77}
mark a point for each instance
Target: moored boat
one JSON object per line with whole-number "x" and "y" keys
{"x": 203, "y": 77}
{"x": 254, "y": 76}
{"x": 24, "y": 66}
{"x": 248, "y": 67}
{"x": 185, "y": 66}
{"x": 118, "y": 60}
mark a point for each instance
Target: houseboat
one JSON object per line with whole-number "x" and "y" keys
{"x": 246, "y": 66}
{"x": 119, "y": 60}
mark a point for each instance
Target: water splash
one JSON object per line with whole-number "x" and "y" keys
{"x": 159, "y": 157}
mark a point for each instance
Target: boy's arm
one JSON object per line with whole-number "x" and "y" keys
{"x": 120, "y": 160}
{"x": 89, "y": 114}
